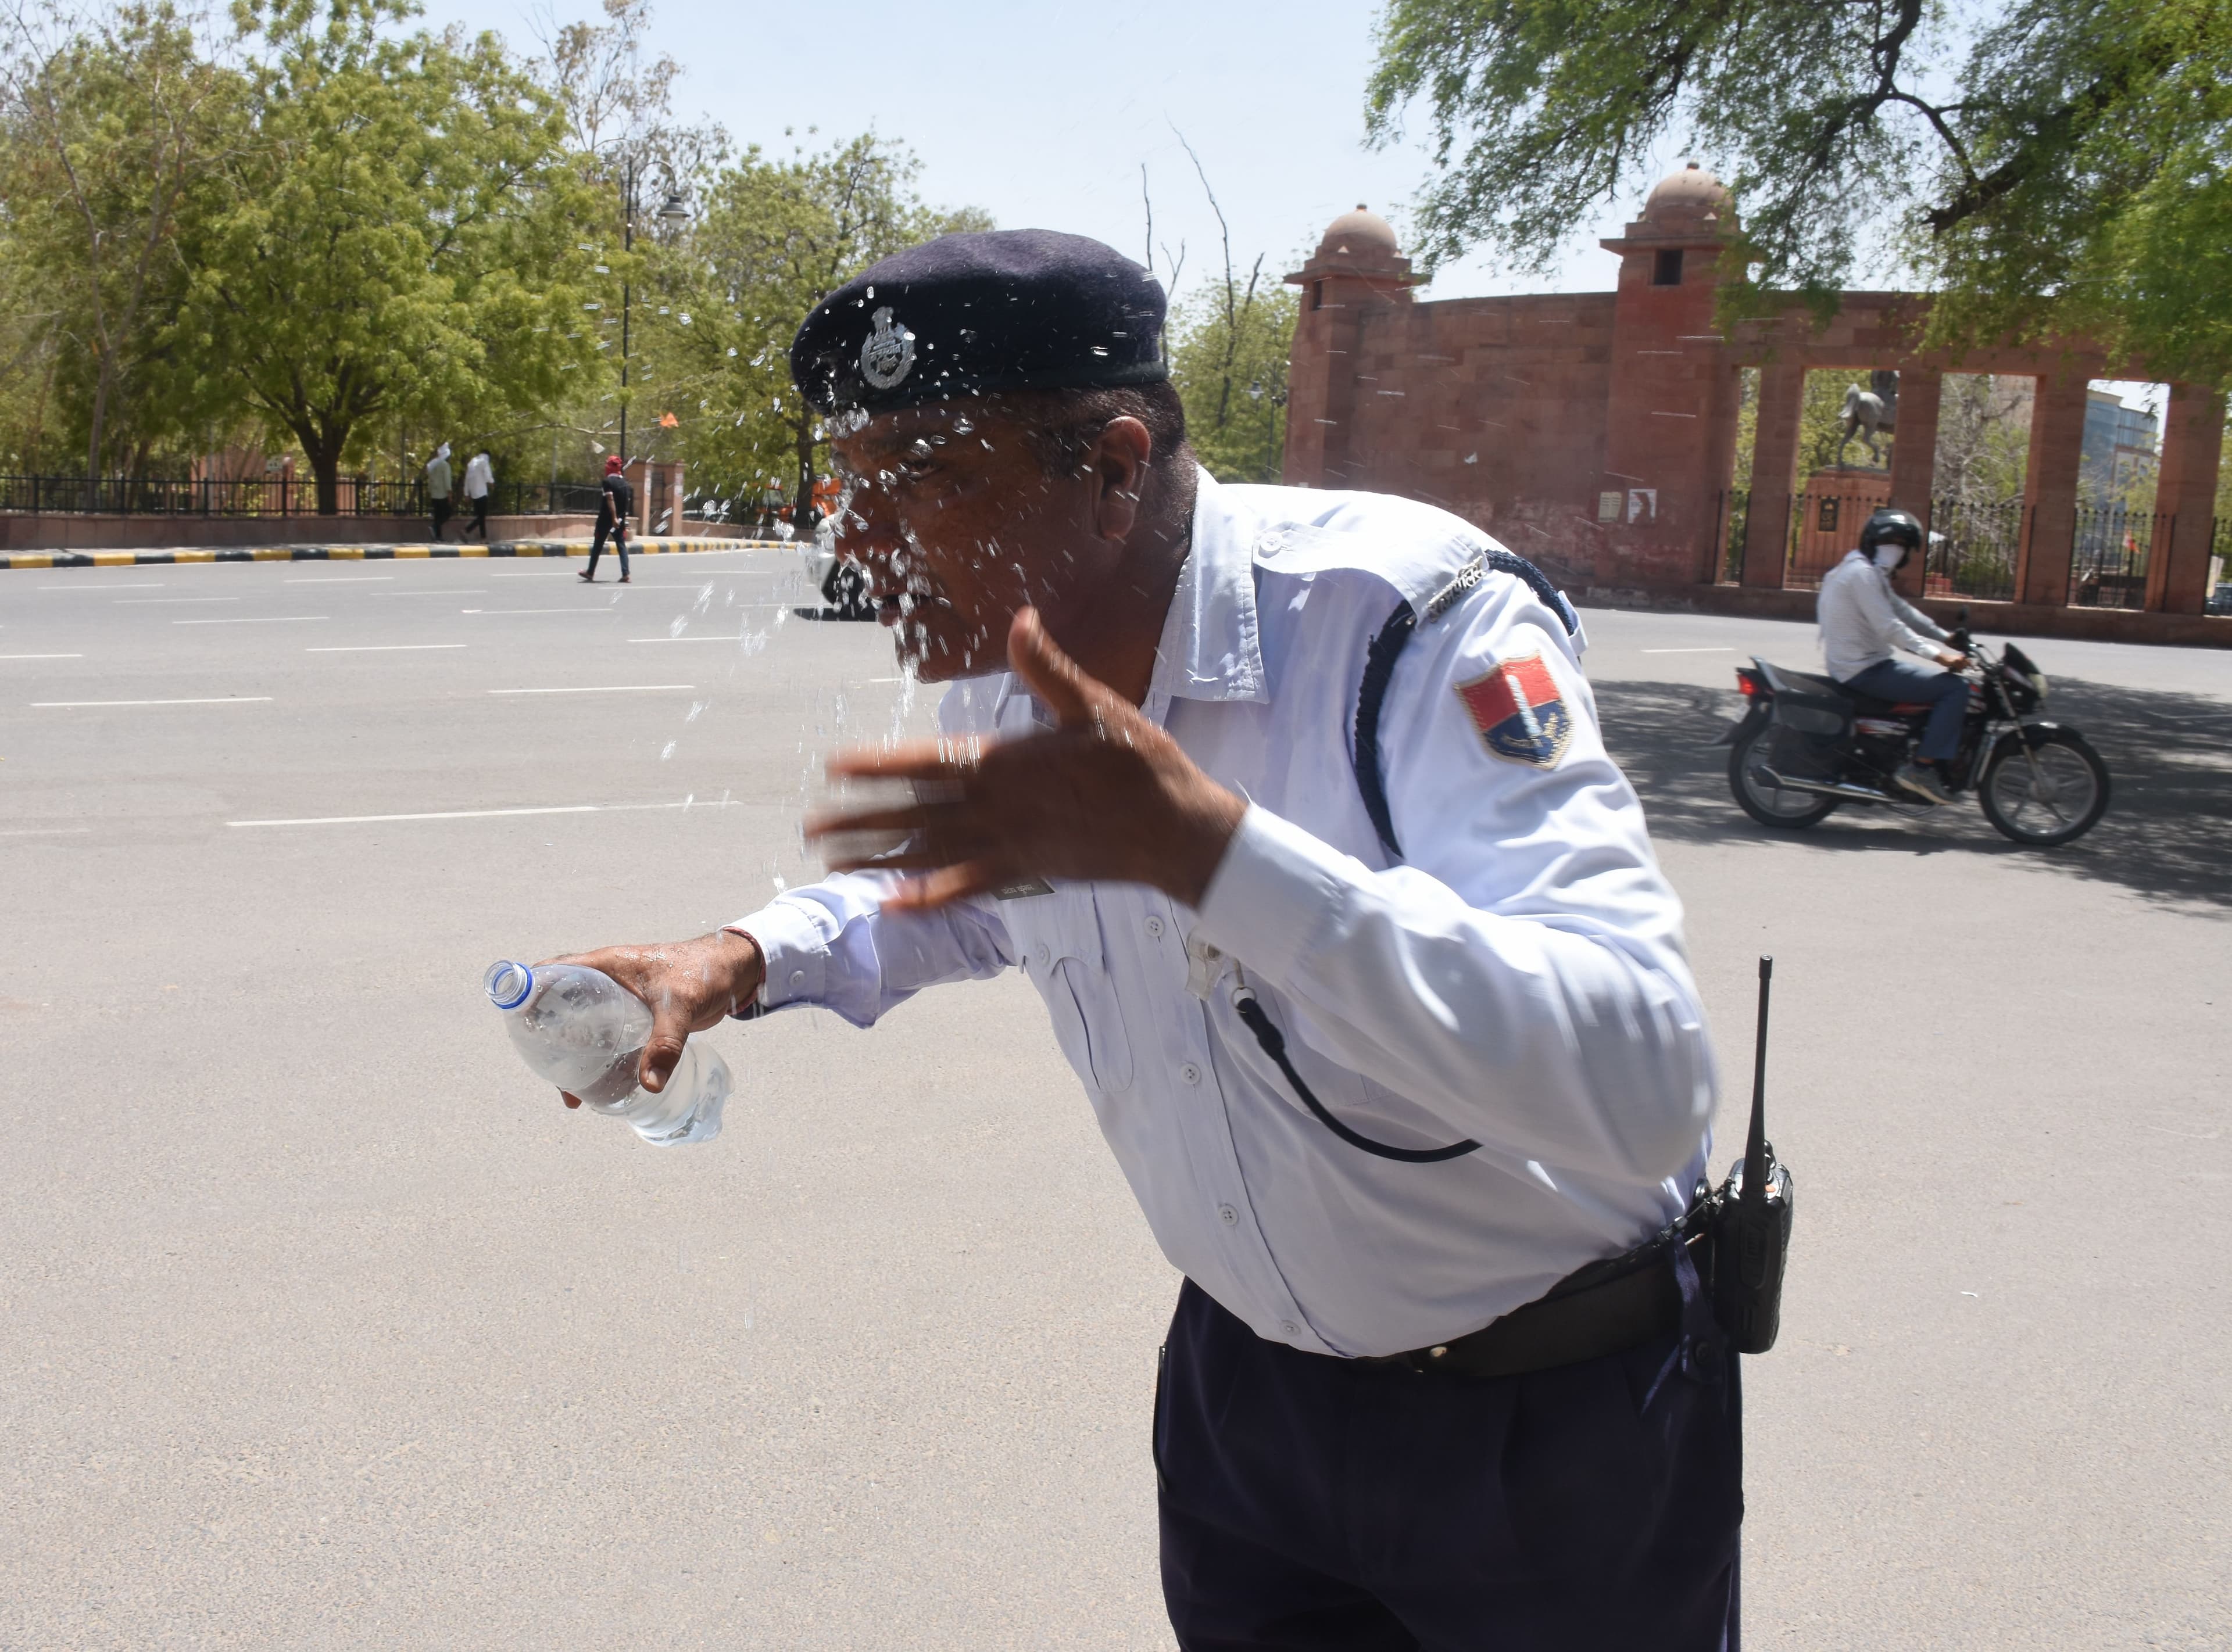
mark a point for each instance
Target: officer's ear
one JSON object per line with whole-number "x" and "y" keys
{"x": 1118, "y": 464}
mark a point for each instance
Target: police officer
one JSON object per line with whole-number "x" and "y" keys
{"x": 1292, "y": 806}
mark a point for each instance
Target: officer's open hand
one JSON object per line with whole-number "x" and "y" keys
{"x": 1103, "y": 796}
{"x": 689, "y": 986}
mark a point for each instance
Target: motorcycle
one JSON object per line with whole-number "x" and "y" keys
{"x": 1806, "y": 744}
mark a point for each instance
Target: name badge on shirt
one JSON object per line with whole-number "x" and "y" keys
{"x": 1023, "y": 890}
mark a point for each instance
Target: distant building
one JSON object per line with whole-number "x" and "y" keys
{"x": 1596, "y": 432}
{"x": 2120, "y": 445}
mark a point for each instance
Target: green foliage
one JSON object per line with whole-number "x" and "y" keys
{"x": 353, "y": 240}
{"x": 1983, "y": 438}
{"x": 2061, "y": 167}
{"x": 107, "y": 133}
{"x": 396, "y": 243}
{"x": 774, "y": 238}
{"x": 1229, "y": 349}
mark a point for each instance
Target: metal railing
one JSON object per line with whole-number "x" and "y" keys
{"x": 1823, "y": 527}
{"x": 277, "y": 496}
{"x": 2108, "y": 556}
{"x": 1973, "y": 548}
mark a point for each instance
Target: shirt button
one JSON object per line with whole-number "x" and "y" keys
{"x": 1154, "y": 926}
{"x": 1043, "y": 954}
{"x": 1227, "y": 1214}
{"x": 1190, "y": 1073}
{"x": 798, "y": 977}
{"x": 1290, "y": 1327}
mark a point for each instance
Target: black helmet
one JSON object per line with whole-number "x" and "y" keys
{"x": 1890, "y": 527}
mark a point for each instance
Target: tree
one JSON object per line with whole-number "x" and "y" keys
{"x": 2060, "y": 167}
{"x": 110, "y": 128}
{"x": 774, "y": 239}
{"x": 1229, "y": 362}
{"x": 618, "y": 102}
{"x": 395, "y": 242}
{"x": 1229, "y": 354}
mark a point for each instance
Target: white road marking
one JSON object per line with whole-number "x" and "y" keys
{"x": 1690, "y": 651}
{"x": 42, "y": 657}
{"x": 127, "y": 585}
{"x": 463, "y": 591}
{"x": 127, "y": 602}
{"x": 606, "y": 612}
{"x": 686, "y": 639}
{"x": 42, "y": 832}
{"x": 489, "y": 814}
{"x": 225, "y": 699}
{"x": 381, "y": 648}
{"x": 269, "y": 619}
{"x": 336, "y": 579}
{"x": 617, "y": 687}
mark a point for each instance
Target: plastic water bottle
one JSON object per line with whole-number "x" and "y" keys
{"x": 585, "y": 1032}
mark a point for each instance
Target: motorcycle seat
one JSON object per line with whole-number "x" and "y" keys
{"x": 1863, "y": 705}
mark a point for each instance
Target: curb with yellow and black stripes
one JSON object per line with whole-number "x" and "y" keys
{"x": 665, "y": 545}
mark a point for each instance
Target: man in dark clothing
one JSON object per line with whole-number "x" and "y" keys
{"x": 612, "y": 518}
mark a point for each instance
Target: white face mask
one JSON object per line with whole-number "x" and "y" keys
{"x": 1888, "y": 557}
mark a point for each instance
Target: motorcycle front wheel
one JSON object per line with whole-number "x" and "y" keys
{"x": 1774, "y": 805}
{"x": 2055, "y": 792}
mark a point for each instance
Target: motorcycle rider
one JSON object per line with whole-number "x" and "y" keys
{"x": 1864, "y": 621}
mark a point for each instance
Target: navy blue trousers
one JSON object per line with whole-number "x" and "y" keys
{"x": 1946, "y": 694}
{"x": 1316, "y": 1503}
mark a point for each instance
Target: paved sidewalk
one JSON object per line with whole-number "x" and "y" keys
{"x": 652, "y": 547}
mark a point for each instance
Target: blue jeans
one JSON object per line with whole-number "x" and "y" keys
{"x": 1944, "y": 692}
{"x": 1317, "y": 1505}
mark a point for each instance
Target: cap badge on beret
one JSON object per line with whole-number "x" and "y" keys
{"x": 887, "y": 353}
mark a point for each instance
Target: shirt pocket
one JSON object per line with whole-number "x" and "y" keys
{"x": 1064, "y": 957}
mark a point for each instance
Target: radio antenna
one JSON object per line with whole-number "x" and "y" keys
{"x": 1754, "y": 1174}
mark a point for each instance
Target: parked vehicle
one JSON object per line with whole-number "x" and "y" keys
{"x": 1806, "y": 744}
{"x": 842, "y": 584}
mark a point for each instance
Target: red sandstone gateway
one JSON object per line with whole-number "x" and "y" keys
{"x": 1807, "y": 743}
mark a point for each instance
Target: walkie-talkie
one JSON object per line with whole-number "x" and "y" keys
{"x": 1751, "y": 1228}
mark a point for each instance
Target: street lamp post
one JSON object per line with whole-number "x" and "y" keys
{"x": 673, "y": 212}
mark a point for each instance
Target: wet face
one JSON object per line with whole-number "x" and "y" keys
{"x": 952, "y": 514}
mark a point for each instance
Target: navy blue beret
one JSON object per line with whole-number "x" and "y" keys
{"x": 1011, "y": 309}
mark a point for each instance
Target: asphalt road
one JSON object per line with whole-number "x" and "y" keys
{"x": 325, "y": 1325}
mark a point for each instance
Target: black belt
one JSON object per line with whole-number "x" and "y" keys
{"x": 1608, "y": 1307}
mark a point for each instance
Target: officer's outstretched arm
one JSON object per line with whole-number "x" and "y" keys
{"x": 832, "y": 943}
{"x": 1521, "y": 976}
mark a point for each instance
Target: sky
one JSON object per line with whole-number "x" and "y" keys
{"x": 1044, "y": 114}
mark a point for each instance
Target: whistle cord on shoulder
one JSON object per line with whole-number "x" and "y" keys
{"x": 1274, "y": 1044}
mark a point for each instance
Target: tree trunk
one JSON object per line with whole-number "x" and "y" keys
{"x": 93, "y": 439}
{"x": 803, "y": 500}
{"x": 326, "y": 466}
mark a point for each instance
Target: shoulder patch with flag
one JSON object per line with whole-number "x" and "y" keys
{"x": 1519, "y": 712}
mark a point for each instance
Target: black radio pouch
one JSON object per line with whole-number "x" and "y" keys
{"x": 1749, "y": 1218}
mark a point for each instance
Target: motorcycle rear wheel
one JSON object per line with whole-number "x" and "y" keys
{"x": 1772, "y": 805}
{"x": 2060, "y": 800}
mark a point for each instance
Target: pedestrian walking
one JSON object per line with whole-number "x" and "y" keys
{"x": 616, "y": 503}
{"x": 437, "y": 487}
{"x": 1292, "y": 806}
{"x": 480, "y": 483}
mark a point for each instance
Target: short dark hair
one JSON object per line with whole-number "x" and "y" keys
{"x": 1061, "y": 424}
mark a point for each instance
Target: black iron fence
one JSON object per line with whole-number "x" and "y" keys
{"x": 2108, "y": 565}
{"x": 1823, "y": 527}
{"x": 1974, "y": 547}
{"x": 275, "y": 497}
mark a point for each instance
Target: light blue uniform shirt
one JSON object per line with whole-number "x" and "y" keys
{"x": 1520, "y": 979}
